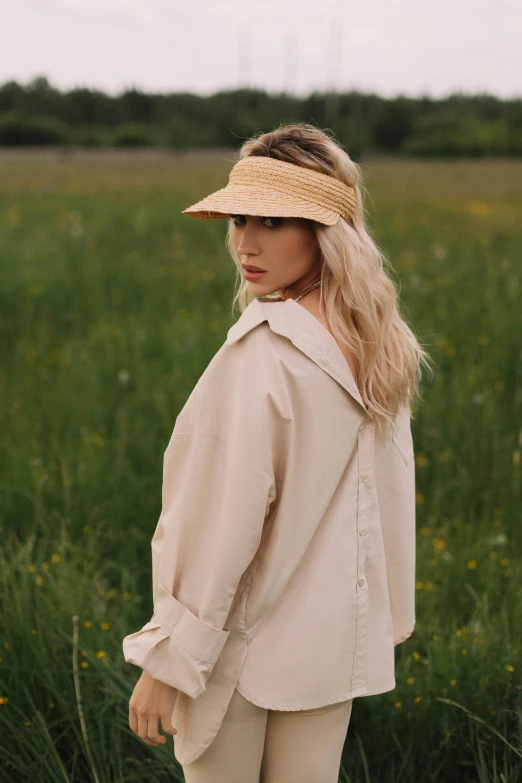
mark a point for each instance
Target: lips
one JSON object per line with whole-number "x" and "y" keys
{"x": 253, "y": 269}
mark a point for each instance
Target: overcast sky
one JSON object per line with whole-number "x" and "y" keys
{"x": 409, "y": 47}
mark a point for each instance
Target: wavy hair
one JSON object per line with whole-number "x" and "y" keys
{"x": 357, "y": 297}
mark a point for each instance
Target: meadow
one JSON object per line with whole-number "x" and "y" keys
{"x": 112, "y": 303}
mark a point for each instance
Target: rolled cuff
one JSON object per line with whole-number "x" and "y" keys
{"x": 175, "y": 646}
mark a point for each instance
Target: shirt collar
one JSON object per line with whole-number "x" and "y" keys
{"x": 290, "y": 319}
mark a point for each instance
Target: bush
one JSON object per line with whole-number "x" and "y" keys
{"x": 459, "y": 136}
{"x": 131, "y": 134}
{"x": 181, "y": 134}
{"x": 393, "y": 125}
{"x": 92, "y": 136}
{"x": 18, "y": 130}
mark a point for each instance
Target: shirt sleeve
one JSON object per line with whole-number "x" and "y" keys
{"x": 214, "y": 504}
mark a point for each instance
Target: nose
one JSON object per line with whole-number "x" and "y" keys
{"x": 248, "y": 243}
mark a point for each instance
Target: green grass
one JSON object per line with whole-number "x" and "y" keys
{"x": 112, "y": 304}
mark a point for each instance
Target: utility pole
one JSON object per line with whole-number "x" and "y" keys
{"x": 334, "y": 70}
{"x": 244, "y": 61}
{"x": 290, "y": 52}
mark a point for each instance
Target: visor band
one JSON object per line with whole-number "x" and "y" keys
{"x": 260, "y": 185}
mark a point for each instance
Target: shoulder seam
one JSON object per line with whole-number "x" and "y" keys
{"x": 216, "y": 437}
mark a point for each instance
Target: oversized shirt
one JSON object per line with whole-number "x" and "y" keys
{"x": 283, "y": 561}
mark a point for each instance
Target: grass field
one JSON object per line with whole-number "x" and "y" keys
{"x": 112, "y": 305}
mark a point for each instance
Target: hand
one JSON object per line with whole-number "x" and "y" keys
{"x": 150, "y": 701}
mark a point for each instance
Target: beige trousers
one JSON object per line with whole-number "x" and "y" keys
{"x": 257, "y": 745}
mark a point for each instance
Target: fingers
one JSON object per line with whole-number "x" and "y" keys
{"x": 133, "y": 721}
{"x": 146, "y": 728}
{"x": 166, "y": 724}
{"x": 148, "y": 731}
{"x": 151, "y": 700}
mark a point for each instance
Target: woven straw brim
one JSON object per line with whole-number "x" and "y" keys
{"x": 263, "y": 202}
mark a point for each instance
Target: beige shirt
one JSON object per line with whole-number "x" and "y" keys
{"x": 284, "y": 557}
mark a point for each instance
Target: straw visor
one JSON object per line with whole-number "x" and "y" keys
{"x": 269, "y": 187}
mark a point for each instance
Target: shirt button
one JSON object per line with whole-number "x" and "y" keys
{"x": 361, "y": 582}
{"x": 363, "y": 531}
{"x": 364, "y": 477}
{"x": 366, "y": 424}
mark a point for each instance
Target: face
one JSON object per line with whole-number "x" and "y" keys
{"x": 285, "y": 248}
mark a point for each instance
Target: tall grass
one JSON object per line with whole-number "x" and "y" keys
{"x": 112, "y": 304}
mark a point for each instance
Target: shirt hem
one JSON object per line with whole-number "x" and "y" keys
{"x": 310, "y": 705}
{"x": 405, "y": 636}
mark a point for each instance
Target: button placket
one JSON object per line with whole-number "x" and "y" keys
{"x": 365, "y": 499}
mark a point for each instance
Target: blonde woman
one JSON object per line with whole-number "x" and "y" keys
{"x": 284, "y": 557}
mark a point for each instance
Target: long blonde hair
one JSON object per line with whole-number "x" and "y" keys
{"x": 358, "y": 298}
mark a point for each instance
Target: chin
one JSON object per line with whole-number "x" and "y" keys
{"x": 260, "y": 290}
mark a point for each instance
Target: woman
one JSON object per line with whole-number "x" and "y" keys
{"x": 284, "y": 556}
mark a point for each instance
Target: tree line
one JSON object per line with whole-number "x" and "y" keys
{"x": 38, "y": 114}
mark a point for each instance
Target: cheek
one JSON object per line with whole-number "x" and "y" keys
{"x": 296, "y": 248}
{"x": 287, "y": 244}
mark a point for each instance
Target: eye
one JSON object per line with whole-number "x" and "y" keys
{"x": 275, "y": 220}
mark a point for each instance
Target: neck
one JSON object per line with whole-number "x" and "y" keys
{"x": 300, "y": 290}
